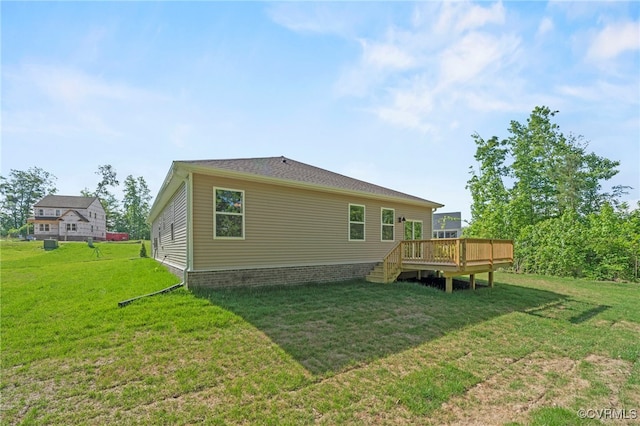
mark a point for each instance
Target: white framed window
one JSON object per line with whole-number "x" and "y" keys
{"x": 72, "y": 227}
{"x": 228, "y": 206}
{"x": 40, "y": 212}
{"x": 44, "y": 227}
{"x": 58, "y": 213}
{"x": 387, "y": 221}
{"x": 356, "y": 222}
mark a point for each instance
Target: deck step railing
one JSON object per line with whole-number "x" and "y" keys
{"x": 392, "y": 264}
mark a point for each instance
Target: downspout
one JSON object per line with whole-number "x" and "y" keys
{"x": 189, "y": 266}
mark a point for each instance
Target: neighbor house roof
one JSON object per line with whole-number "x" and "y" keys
{"x": 283, "y": 171}
{"x": 66, "y": 201}
{"x": 77, "y": 213}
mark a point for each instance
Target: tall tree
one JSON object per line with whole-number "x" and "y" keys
{"x": 550, "y": 174}
{"x": 107, "y": 198}
{"x": 136, "y": 207}
{"x": 555, "y": 184}
{"x": 487, "y": 188}
{"x": 20, "y": 191}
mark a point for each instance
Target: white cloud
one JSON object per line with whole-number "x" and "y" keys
{"x": 603, "y": 91}
{"x": 386, "y": 55}
{"x": 322, "y": 18}
{"x": 545, "y": 26}
{"x": 442, "y": 59}
{"x": 73, "y": 86}
{"x": 613, "y": 40}
{"x": 477, "y": 16}
{"x": 463, "y": 16}
{"x": 70, "y": 103}
{"x": 409, "y": 106}
{"x": 470, "y": 57}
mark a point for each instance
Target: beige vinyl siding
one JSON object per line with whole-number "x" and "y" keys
{"x": 291, "y": 227}
{"x": 174, "y": 212}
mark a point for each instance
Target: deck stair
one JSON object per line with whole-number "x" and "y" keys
{"x": 377, "y": 275}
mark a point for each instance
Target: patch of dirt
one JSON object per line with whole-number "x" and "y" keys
{"x": 529, "y": 383}
{"x": 614, "y": 373}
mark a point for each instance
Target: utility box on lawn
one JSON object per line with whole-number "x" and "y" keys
{"x": 50, "y": 244}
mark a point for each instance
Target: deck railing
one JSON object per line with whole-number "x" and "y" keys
{"x": 458, "y": 252}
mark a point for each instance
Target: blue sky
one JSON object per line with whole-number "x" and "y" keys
{"x": 387, "y": 92}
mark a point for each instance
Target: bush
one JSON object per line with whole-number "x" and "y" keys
{"x": 143, "y": 250}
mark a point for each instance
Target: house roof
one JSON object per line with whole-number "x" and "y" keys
{"x": 281, "y": 170}
{"x": 291, "y": 170}
{"x": 66, "y": 201}
{"x": 43, "y": 219}
{"x": 77, "y": 213}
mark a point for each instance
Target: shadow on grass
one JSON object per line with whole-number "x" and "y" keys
{"x": 571, "y": 310}
{"x": 330, "y": 327}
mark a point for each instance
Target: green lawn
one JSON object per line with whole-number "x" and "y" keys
{"x": 532, "y": 350}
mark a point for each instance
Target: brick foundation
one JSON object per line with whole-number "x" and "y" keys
{"x": 278, "y": 276}
{"x": 175, "y": 270}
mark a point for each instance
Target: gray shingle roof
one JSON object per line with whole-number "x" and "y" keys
{"x": 66, "y": 201}
{"x": 291, "y": 170}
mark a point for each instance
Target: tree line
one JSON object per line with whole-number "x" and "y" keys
{"x": 543, "y": 190}
{"x": 21, "y": 189}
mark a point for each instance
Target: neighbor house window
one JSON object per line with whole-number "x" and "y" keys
{"x": 58, "y": 213}
{"x": 229, "y": 213}
{"x": 71, "y": 227}
{"x": 445, "y": 234}
{"x": 172, "y": 235}
{"x": 41, "y": 212}
{"x": 44, "y": 227}
{"x": 356, "y": 222}
{"x": 387, "y": 219}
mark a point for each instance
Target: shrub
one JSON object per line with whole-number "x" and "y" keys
{"x": 143, "y": 250}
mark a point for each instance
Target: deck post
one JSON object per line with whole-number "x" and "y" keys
{"x": 472, "y": 281}
{"x": 491, "y": 279}
{"x": 449, "y": 284}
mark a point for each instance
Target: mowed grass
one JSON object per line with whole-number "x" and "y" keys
{"x": 532, "y": 350}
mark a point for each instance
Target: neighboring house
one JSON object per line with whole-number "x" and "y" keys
{"x": 69, "y": 218}
{"x": 274, "y": 220}
{"x": 447, "y": 225}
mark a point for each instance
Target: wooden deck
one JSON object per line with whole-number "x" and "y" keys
{"x": 449, "y": 256}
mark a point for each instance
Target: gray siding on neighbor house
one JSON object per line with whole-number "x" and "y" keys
{"x": 173, "y": 251}
{"x": 289, "y": 227}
